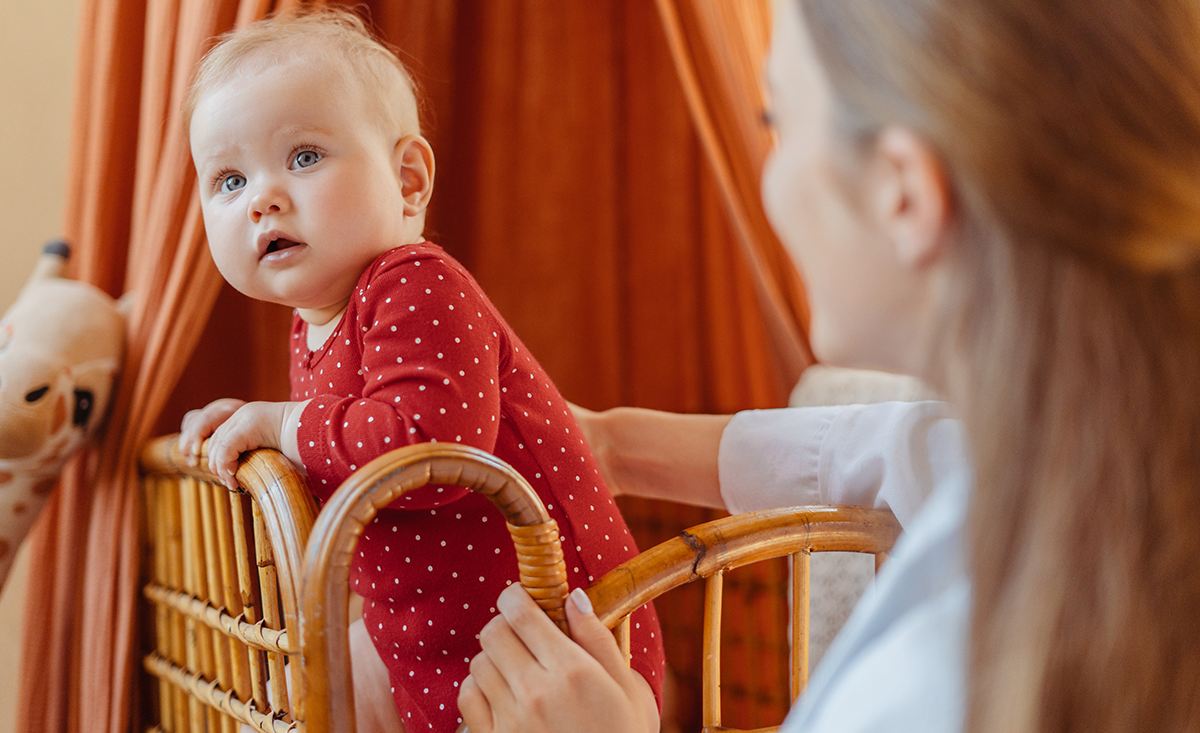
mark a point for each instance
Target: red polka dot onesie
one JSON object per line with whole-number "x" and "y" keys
{"x": 421, "y": 354}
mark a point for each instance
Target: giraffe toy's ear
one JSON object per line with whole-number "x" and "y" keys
{"x": 53, "y": 262}
{"x": 61, "y": 346}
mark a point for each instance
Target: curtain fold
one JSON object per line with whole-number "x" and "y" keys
{"x": 134, "y": 219}
{"x": 570, "y": 182}
{"x": 719, "y": 48}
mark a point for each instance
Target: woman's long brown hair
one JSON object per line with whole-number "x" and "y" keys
{"x": 1071, "y": 134}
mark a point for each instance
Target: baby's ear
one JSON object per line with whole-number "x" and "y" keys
{"x": 412, "y": 159}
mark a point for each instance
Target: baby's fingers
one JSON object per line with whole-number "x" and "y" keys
{"x": 253, "y": 425}
{"x": 223, "y": 455}
{"x": 225, "y": 447}
{"x": 193, "y": 431}
{"x": 200, "y": 424}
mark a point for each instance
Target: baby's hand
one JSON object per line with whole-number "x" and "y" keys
{"x": 253, "y": 425}
{"x": 199, "y": 424}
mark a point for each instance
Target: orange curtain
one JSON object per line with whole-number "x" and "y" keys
{"x": 133, "y": 217}
{"x": 720, "y": 47}
{"x": 571, "y": 181}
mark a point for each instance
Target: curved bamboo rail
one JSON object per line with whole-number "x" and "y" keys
{"x": 730, "y": 542}
{"x": 708, "y": 550}
{"x": 315, "y": 594}
{"x": 323, "y": 626}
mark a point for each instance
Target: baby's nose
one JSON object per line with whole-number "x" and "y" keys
{"x": 269, "y": 201}
{"x": 257, "y": 212}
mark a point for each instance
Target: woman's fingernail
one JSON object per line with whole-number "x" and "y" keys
{"x": 582, "y": 602}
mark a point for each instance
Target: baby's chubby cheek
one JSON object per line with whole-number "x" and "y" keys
{"x": 234, "y": 273}
{"x": 223, "y": 263}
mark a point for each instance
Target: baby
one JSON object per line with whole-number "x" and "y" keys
{"x": 314, "y": 181}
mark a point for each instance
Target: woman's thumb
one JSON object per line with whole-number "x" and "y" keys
{"x": 589, "y": 633}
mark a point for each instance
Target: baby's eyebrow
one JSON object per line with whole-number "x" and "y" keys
{"x": 305, "y": 128}
{"x": 216, "y": 156}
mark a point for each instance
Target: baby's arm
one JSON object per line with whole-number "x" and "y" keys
{"x": 234, "y": 427}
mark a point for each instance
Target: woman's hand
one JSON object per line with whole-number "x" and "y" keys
{"x": 530, "y": 678}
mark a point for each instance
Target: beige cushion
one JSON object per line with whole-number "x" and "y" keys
{"x": 839, "y": 579}
{"x": 822, "y": 385}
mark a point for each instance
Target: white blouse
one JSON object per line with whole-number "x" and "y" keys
{"x": 899, "y": 664}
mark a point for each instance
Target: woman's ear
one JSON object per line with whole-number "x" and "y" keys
{"x": 412, "y": 159}
{"x": 910, "y": 197}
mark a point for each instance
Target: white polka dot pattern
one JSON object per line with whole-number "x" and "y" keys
{"x": 422, "y": 355}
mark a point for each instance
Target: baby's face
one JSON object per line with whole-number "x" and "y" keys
{"x": 297, "y": 183}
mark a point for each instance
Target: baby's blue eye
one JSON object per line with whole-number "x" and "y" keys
{"x": 306, "y": 158}
{"x": 232, "y": 183}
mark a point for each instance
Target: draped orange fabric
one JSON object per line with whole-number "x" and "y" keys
{"x": 719, "y": 47}
{"x": 133, "y": 217}
{"x": 571, "y": 182}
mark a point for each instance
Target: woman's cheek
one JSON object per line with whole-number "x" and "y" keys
{"x": 778, "y": 202}
{"x": 768, "y": 188}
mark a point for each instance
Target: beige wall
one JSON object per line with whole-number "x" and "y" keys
{"x": 37, "y": 60}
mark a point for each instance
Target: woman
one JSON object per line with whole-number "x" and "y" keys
{"x": 1002, "y": 197}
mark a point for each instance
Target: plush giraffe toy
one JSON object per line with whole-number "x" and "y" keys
{"x": 61, "y": 346}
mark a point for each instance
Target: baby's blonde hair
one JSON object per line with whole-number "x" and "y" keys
{"x": 330, "y": 33}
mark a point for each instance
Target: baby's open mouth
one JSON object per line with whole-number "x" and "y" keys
{"x": 273, "y": 242}
{"x": 276, "y": 245}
